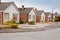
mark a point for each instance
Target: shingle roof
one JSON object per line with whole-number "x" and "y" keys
{"x": 4, "y": 5}
{"x": 57, "y": 14}
{"x": 25, "y": 10}
{"x": 39, "y": 12}
{"x": 47, "y": 13}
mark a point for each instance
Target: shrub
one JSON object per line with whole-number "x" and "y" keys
{"x": 57, "y": 19}
{"x": 21, "y": 22}
{"x": 31, "y": 22}
{"x": 14, "y": 26}
{"x": 12, "y": 23}
{"x": 7, "y": 23}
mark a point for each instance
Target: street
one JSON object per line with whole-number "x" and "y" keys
{"x": 40, "y": 35}
{"x": 51, "y": 33}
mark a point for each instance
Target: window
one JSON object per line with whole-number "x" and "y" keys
{"x": 49, "y": 19}
{"x": 6, "y": 15}
{"x": 33, "y": 17}
{"x": 42, "y": 18}
{"x": 29, "y": 16}
{"x": 15, "y": 16}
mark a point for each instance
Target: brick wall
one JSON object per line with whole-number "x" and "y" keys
{"x": 38, "y": 18}
{"x": 46, "y": 18}
{"x": 1, "y": 17}
{"x": 23, "y": 17}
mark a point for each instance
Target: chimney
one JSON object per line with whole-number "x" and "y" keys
{"x": 22, "y": 6}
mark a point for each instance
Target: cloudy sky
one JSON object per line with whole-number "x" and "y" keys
{"x": 46, "y": 5}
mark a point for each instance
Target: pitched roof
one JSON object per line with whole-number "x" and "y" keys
{"x": 39, "y": 12}
{"x": 25, "y": 10}
{"x": 4, "y": 5}
{"x": 57, "y": 14}
{"x": 47, "y": 13}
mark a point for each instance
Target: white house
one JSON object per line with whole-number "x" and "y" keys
{"x": 40, "y": 16}
{"x": 48, "y": 17}
{"x": 8, "y": 11}
{"x": 27, "y": 14}
{"x": 32, "y": 16}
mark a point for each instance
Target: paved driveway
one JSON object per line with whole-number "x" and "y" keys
{"x": 41, "y": 35}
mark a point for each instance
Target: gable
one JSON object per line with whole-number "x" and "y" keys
{"x": 43, "y": 14}
{"x": 49, "y": 15}
{"x": 25, "y": 10}
{"x": 11, "y": 9}
{"x": 32, "y": 12}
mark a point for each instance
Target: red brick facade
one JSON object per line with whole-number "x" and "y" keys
{"x": 23, "y": 17}
{"x": 46, "y": 18}
{"x": 38, "y": 18}
{"x": 1, "y": 17}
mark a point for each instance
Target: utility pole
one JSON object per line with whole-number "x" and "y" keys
{"x": 52, "y": 14}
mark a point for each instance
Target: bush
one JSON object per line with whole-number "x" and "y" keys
{"x": 22, "y": 22}
{"x": 57, "y": 19}
{"x": 14, "y": 26}
{"x": 12, "y": 23}
{"x": 31, "y": 22}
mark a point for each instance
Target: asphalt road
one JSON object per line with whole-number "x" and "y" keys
{"x": 53, "y": 34}
{"x": 40, "y": 35}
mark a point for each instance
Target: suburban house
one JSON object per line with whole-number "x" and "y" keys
{"x": 53, "y": 16}
{"x": 40, "y": 16}
{"x": 48, "y": 17}
{"x": 8, "y": 11}
{"x": 27, "y": 14}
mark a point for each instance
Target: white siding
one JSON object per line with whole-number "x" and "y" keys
{"x": 42, "y": 19}
{"x": 49, "y": 17}
{"x": 32, "y": 14}
{"x": 11, "y": 9}
{"x": 53, "y": 17}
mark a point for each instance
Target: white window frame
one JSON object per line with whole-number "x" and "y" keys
{"x": 6, "y": 15}
{"x": 29, "y": 16}
{"x": 16, "y": 15}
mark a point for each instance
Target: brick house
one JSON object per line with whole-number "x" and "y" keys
{"x": 8, "y": 10}
{"x": 53, "y": 15}
{"x": 40, "y": 17}
{"x": 27, "y": 14}
{"x": 47, "y": 16}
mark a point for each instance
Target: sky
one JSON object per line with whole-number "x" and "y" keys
{"x": 45, "y": 5}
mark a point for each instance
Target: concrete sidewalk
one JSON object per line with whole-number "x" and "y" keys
{"x": 37, "y": 25}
